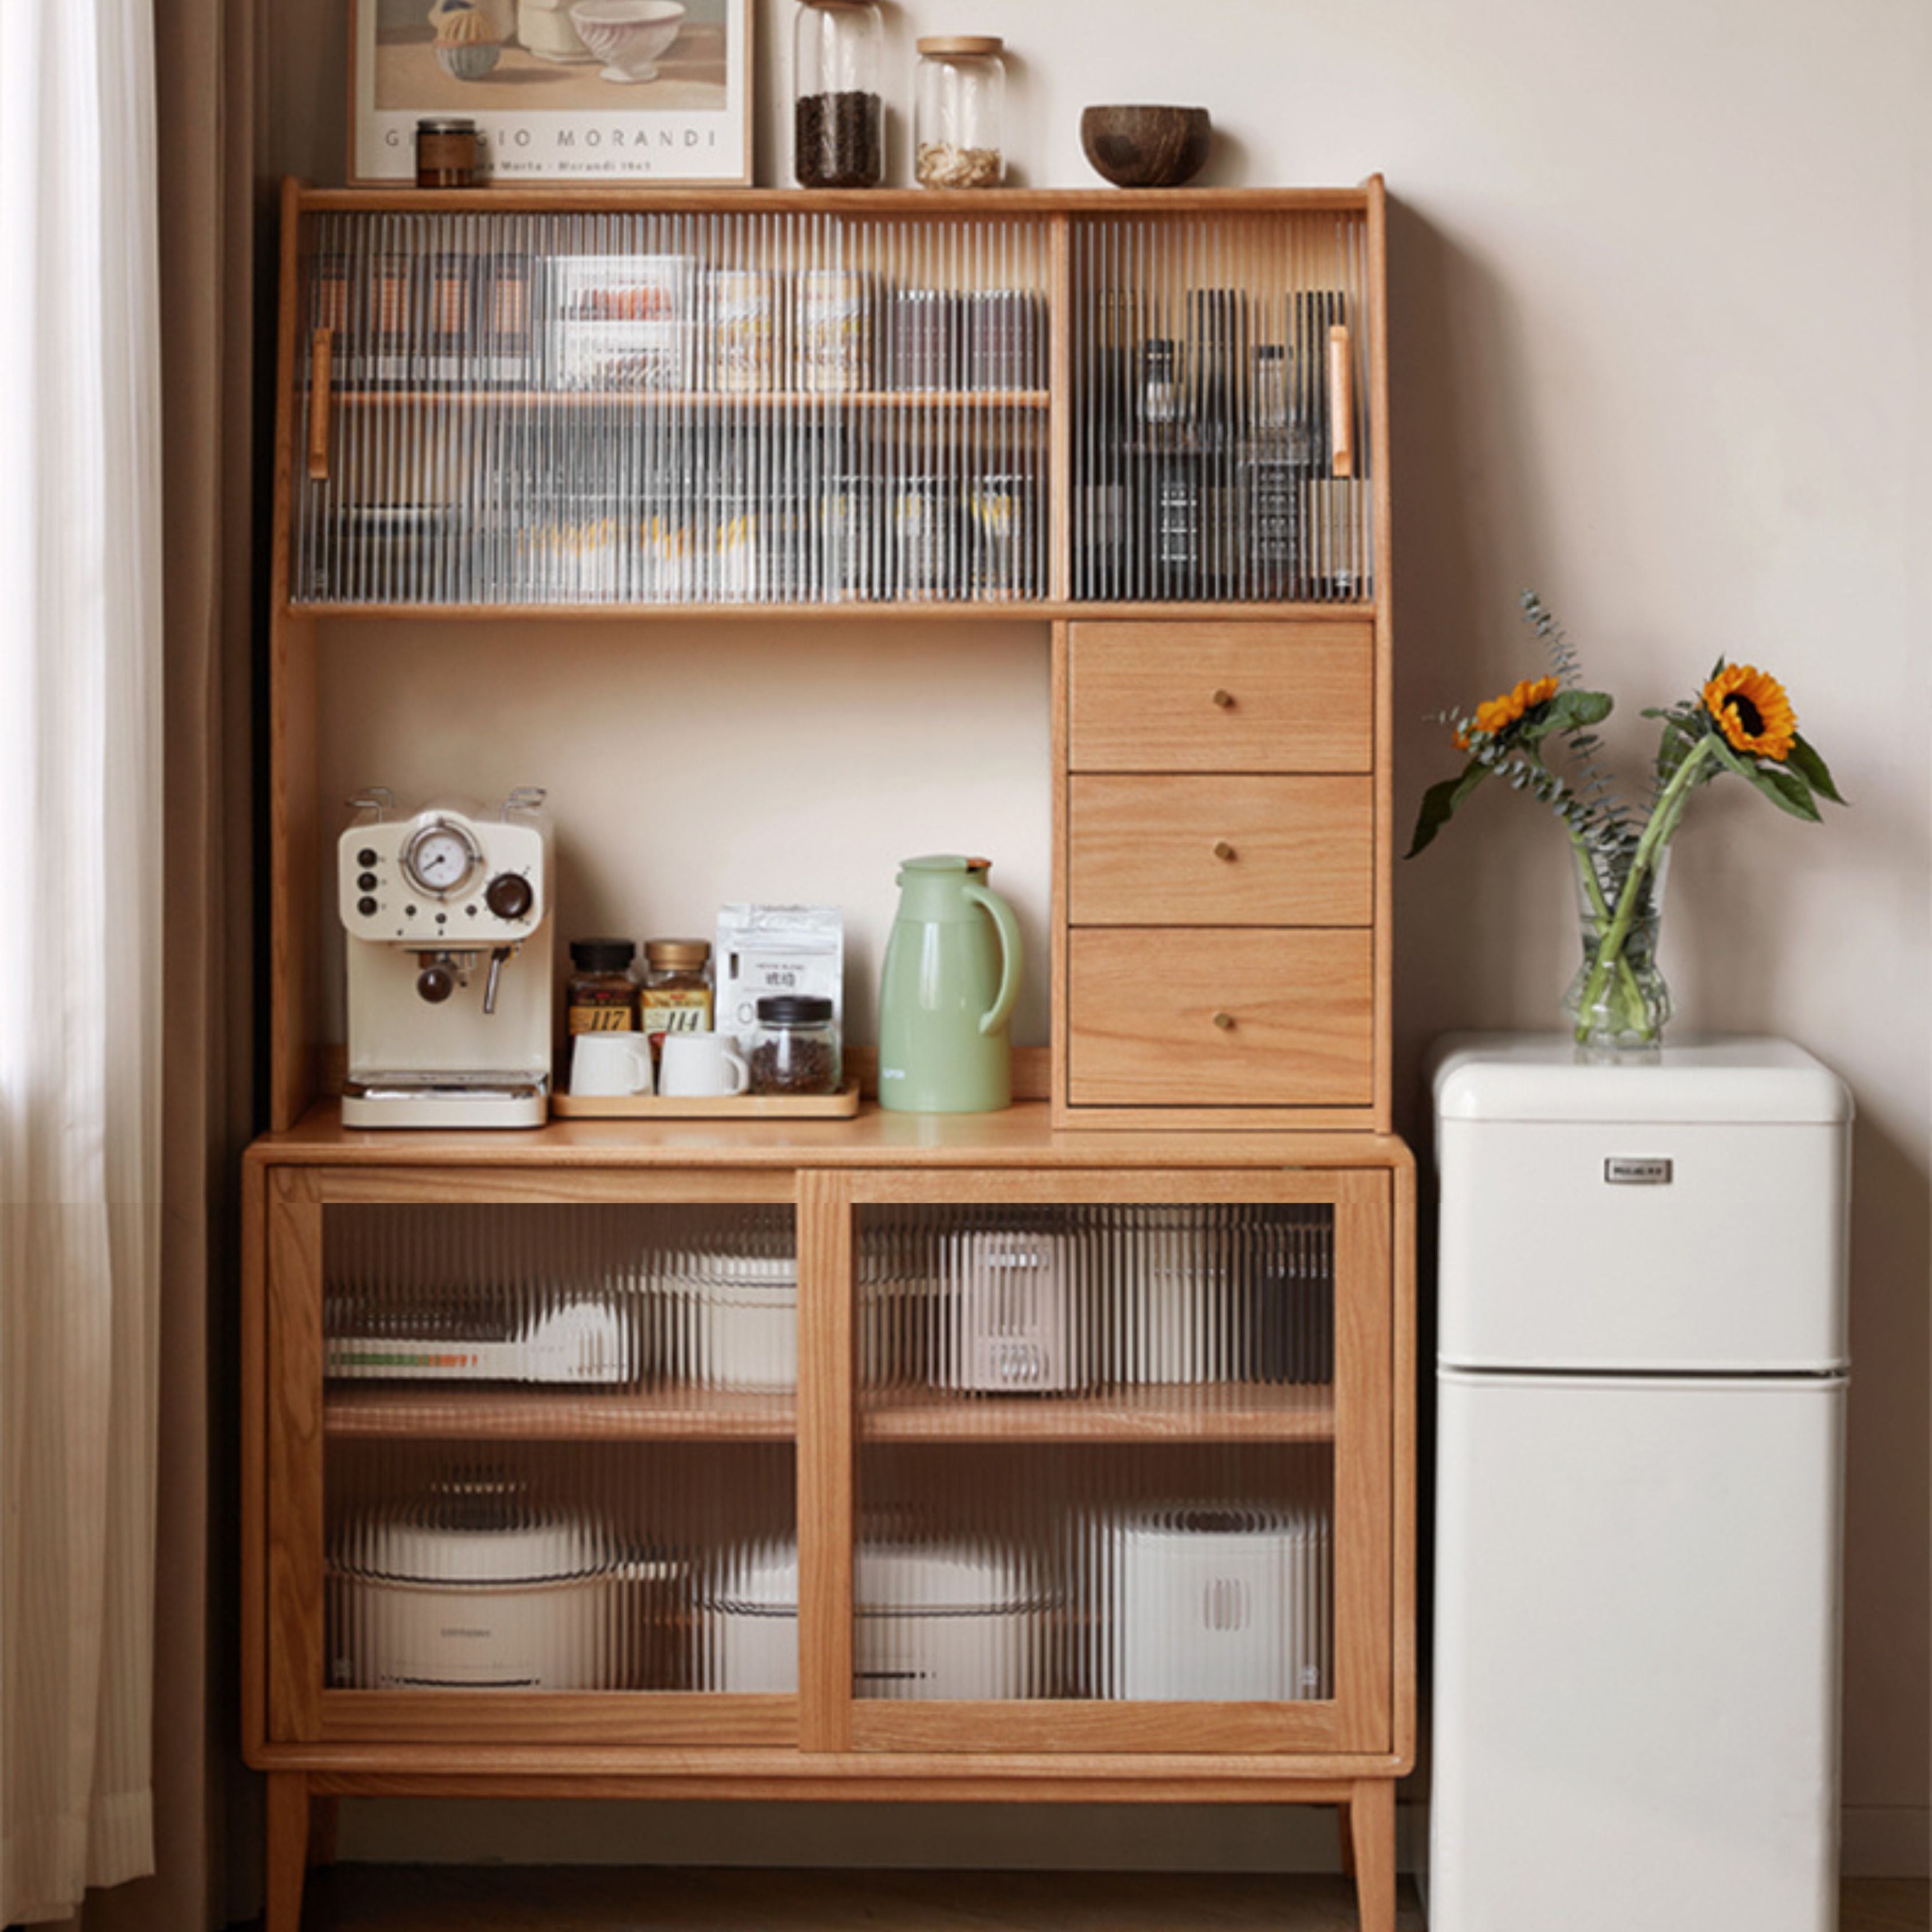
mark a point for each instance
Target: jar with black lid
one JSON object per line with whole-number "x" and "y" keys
{"x": 795, "y": 1049}
{"x": 602, "y": 996}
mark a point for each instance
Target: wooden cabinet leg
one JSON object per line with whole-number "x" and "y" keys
{"x": 287, "y": 1850}
{"x": 1371, "y": 1814}
{"x": 1347, "y": 1834}
{"x": 324, "y": 1816}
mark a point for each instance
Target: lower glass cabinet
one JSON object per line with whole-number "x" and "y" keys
{"x": 544, "y": 1461}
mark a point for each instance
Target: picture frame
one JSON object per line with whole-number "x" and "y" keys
{"x": 640, "y": 105}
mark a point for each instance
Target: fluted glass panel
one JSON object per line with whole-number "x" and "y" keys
{"x": 1097, "y": 1452}
{"x": 520, "y": 408}
{"x": 1220, "y": 437}
{"x": 555, "y": 1437}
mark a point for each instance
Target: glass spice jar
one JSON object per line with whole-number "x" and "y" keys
{"x": 677, "y": 994}
{"x": 959, "y": 111}
{"x": 602, "y": 996}
{"x": 795, "y": 1049}
{"x": 837, "y": 112}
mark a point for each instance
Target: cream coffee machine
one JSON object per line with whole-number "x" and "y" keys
{"x": 447, "y": 914}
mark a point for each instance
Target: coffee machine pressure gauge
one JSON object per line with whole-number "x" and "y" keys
{"x": 441, "y": 858}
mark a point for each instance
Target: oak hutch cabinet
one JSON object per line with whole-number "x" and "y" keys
{"x": 745, "y": 1513}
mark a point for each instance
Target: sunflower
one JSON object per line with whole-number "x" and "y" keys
{"x": 1752, "y": 711}
{"x": 1498, "y": 714}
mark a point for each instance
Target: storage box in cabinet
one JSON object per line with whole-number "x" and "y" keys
{"x": 1220, "y": 1018}
{"x": 1227, "y": 697}
{"x": 1225, "y": 850}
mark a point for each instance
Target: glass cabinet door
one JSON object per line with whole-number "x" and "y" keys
{"x": 533, "y": 1464}
{"x": 1122, "y": 1472}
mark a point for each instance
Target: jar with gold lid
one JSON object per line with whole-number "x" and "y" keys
{"x": 676, "y": 996}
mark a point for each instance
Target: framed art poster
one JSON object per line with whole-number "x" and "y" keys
{"x": 560, "y": 90}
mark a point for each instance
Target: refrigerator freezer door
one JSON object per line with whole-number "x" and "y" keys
{"x": 1571, "y": 1246}
{"x": 1636, "y": 1656}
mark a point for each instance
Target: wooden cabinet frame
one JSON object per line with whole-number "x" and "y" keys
{"x": 318, "y": 1745}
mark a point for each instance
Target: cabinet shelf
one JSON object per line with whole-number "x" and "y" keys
{"x": 433, "y": 1413}
{"x": 781, "y": 400}
{"x": 1014, "y": 610}
{"x": 1186, "y": 1412}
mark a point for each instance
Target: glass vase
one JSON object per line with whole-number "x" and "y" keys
{"x": 1618, "y": 1013}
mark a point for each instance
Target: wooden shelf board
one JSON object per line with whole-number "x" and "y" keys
{"x": 1020, "y": 1136}
{"x": 1197, "y": 1412}
{"x": 696, "y": 399}
{"x": 987, "y": 203}
{"x": 1010, "y": 609}
{"x": 497, "y": 1413}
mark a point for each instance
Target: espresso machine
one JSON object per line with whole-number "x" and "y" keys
{"x": 447, "y": 914}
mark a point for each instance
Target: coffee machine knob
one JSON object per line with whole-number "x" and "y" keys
{"x": 435, "y": 984}
{"x": 509, "y": 896}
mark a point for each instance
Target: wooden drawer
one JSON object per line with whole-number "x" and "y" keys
{"x": 1142, "y": 1004}
{"x": 1222, "y": 697}
{"x": 1224, "y": 850}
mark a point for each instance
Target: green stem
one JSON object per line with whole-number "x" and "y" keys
{"x": 1664, "y": 822}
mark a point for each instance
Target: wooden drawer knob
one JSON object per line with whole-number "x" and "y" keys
{"x": 1222, "y": 850}
{"x": 1224, "y": 699}
{"x": 1225, "y": 1022}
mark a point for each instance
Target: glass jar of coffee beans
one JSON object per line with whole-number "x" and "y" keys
{"x": 795, "y": 1049}
{"x": 839, "y": 114}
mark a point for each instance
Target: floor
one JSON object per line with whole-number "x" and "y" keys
{"x": 378, "y": 1898}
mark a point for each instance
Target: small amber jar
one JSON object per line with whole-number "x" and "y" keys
{"x": 677, "y": 997}
{"x": 602, "y": 996}
{"x": 446, "y": 154}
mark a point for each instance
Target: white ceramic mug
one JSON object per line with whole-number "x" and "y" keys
{"x": 610, "y": 1064}
{"x": 701, "y": 1066}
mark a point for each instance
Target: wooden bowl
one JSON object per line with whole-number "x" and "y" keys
{"x": 1147, "y": 147}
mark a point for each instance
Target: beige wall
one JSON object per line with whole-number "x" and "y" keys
{"x": 1661, "y": 305}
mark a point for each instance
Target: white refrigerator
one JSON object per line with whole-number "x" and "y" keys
{"x": 1641, "y": 1382}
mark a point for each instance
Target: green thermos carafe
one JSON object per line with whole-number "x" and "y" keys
{"x": 951, "y": 976}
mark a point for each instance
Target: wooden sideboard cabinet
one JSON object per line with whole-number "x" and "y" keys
{"x": 649, "y": 1459}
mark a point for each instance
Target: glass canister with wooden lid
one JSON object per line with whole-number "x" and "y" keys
{"x": 838, "y": 111}
{"x": 959, "y": 111}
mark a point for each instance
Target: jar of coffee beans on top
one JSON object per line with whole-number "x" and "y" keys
{"x": 838, "y": 129}
{"x": 795, "y": 1049}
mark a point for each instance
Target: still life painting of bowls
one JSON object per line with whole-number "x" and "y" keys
{"x": 568, "y": 56}
{"x": 629, "y": 36}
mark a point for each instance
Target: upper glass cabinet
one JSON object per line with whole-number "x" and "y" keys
{"x": 790, "y": 408}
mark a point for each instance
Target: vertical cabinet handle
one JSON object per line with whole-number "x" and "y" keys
{"x": 1224, "y": 699}
{"x": 319, "y": 390}
{"x": 1341, "y": 401}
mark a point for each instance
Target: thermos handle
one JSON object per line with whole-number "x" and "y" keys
{"x": 1001, "y": 1010}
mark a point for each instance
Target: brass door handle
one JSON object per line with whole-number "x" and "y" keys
{"x": 320, "y": 357}
{"x": 1224, "y": 699}
{"x": 1225, "y": 1022}
{"x": 1222, "y": 850}
{"x": 1341, "y": 401}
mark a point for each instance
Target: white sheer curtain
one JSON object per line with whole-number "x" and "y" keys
{"x": 80, "y": 947}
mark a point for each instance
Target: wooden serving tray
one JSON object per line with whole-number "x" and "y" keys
{"x": 842, "y": 1105}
